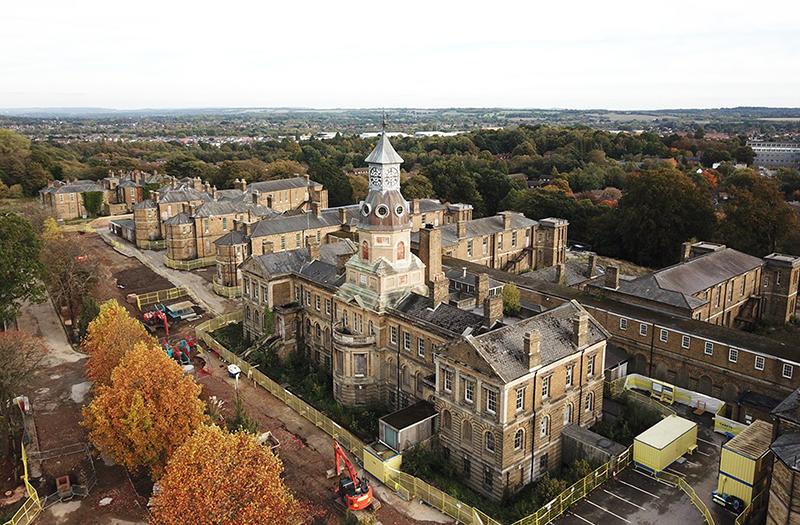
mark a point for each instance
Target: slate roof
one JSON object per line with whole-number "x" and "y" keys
{"x": 229, "y": 194}
{"x": 429, "y": 205}
{"x": 128, "y": 184}
{"x": 677, "y": 284}
{"x": 575, "y": 273}
{"x": 383, "y": 153}
{"x": 293, "y": 223}
{"x": 299, "y": 261}
{"x": 147, "y": 203}
{"x": 79, "y": 186}
{"x": 485, "y": 226}
{"x": 227, "y": 207}
{"x": 445, "y": 316}
{"x": 231, "y": 238}
{"x": 180, "y": 218}
{"x": 789, "y": 408}
{"x": 456, "y": 275}
{"x": 323, "y": 273}
{"x": 279, "y": 184}
{"x": 183, "y": 195}
{"x": 787, "y": 449}
{"x": 503, "y": 349}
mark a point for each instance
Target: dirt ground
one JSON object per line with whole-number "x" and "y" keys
{"x": 304, "y": 465}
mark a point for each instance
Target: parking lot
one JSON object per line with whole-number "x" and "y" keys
{"x": 638, "y": 499}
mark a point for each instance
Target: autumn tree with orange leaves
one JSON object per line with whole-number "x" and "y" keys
{"x": 225, "y": 479}
{"x": 147, "y": 411}
{"x": 111, "y": 335}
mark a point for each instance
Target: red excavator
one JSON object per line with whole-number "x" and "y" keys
{"x": 356, "y": 493}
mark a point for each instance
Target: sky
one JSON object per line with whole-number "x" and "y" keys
{"x": 615, "y": 54}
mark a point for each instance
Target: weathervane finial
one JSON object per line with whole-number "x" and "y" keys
{"x": 383, "y": 123}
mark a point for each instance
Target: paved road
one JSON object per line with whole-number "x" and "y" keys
{"x": 41, "y": 320}
{"x": 199, "y": 288}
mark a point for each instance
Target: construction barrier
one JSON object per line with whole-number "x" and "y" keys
{"x": 192, "y": 264}
{"x": 160, "y": 296}
{"x": 144, "y": 244}
{"x": 228, "y": 292}
{"x": 758, "y": 502}
{"x": 33, "y": 505}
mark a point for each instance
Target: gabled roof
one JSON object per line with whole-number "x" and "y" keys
{"x": 147, "y": 203}
{"x": 78, "y": 186}
{"x": 429, "y": 205}
{"x": 676, "y": 285}
{"x": 231, "y": 238}
{"x": 298, "y": 261}
{"x": 280, "y": 184}
{"x": 183, "y": 195}
{"x": 789, "y": 408}
{"x": 227, "y": 207}
{"x": 180, "y": 218}
{"x": 383, "y": 153}
{"x": 503, "y": 350}
{"x": 296, "y": 223}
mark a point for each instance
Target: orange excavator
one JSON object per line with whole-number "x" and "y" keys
{"x": 356, "y": 493}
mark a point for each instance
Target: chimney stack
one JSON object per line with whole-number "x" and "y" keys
{"x": 481, "y": 288}
{"x": 415, "y": 206}
{"x": 581, "y": 329}
{"x": 430, "y": 250}
{"x": 506, "y": 220}
{"x": 313, "y": 249}
{"x": 461, "y": 229}
{"x": 342, "y": 216}
{"x": 612, "y": 277}
{"x": 561, "y": 273}
{"x": 341, "y": 260}
{"x": 532, "y": 346}
{"x": 686, "y": 251}
{"x": 592, "y": 269}
{"x": 316, "y": 208}
{"x": 492, "y": 310}
{"x": 439, "y": 289}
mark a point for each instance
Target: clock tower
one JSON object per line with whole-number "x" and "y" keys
{"x": 384, "y": 269}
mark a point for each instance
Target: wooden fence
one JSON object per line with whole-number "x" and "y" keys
{"x": 33, "y": 505}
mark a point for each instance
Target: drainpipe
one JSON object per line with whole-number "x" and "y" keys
{"x": 397, "y": 395}
{"x": 579, "y": 408}
{"x": 652, "y": 350}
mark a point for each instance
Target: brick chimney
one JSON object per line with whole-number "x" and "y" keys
{"x": 342, "y": 216}
{"x": 492, "y": 310}
{"x": 612, "y": 277}
{"x": 313, "y": 249}
{"x": 430, "y": 250}
{"x": 532, "y": 347}
{"x": 342, "y": 259}
{"x": 592, "y": 267}
{"x": 316, "y": 208}
{"x": 686, "y": 251}
{"x": 481, "y": 288}
{"x": 461, "y": 229}
{"x": 580, "y": 329}
{"x": 415, "y": 206}
{"x": 439, "y": 289}
{"x": 561, "y": 273}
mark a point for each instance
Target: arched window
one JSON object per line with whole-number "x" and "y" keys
{"x": 544, "y": 426}
{"x": 466, "y": 432}
{"x": 589, "y": 401}
{"x": 447, "y": 419}
{"x": 567, "y": 413}
{"x": 490, "y": 442}
{"x": 518, "y": 437}
{"x": 401, "y": 250}
{"x": 318, "y": 330}
{"x": 371, "y": 328}
{"x": 365, "y": 250}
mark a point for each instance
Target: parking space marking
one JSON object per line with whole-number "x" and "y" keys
{"x": 581, "y": 517}
{"x": 692, "y": 463}
{"x": 590, "y": 502}
{"x": 623, "y": 499}
{"x": 703, "y": 453}
{"x": 707, "y": 442}
{"x": 681, "y": 474}
{"x": 639, "y": 489}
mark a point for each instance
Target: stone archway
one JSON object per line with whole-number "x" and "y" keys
{"x": 639, "y": 364}
{"x": 705, "y": 385}
{"x": 682, "y": 377}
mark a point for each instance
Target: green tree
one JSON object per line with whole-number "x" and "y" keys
{"x": 93, "y": 202}
{"x": 511, "y": 299}
{"x": 756, "y": 218}
{"x": 417, "y": 187}
{"x": 660, "y": 209}
{"x": 20, "y": 268}
{"x": 241, "y": 421}
{"x": 340, "y": 193}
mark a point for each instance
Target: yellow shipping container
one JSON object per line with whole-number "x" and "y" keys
{"x": 660, "y": 445}
{"x": 745, "y": 461}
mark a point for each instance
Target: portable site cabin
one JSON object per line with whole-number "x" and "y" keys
{"x": 660, "y": 445}
{"x": 745, "y": 462}
{"x": 407, "y": 427}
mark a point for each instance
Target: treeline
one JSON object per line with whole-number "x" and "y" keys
{"x": 635, "y": 196}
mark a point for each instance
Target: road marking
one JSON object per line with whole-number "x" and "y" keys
{"x": 623, "y": 499}
{"x": 706, "y": 454}
{"x": 590, "y": 502}
{"x": 707, "y": 442}
{"x": 692, "y": 463}
{"x": 580, "y": 517}
{"x": 675, "y": 472}
{"x": 639, "y": 489}
{"x": 653, "y": 478}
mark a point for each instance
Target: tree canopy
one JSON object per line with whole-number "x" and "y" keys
{"x": 20, "y": 268}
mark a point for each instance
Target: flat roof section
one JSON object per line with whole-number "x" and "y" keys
{"x": 665, "y": 431}
{"x": 409, "y": 416}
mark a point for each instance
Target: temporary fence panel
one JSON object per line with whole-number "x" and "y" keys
{"x": 33, "y": 505}
{"x": 679, "y": 395}
{"x": 228, "y": 292}
{"x": 678, "y": 481}
{"x": 758, "y": 502}
{"x": 159, "y": 296}
{"x": 192, "y": 264}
